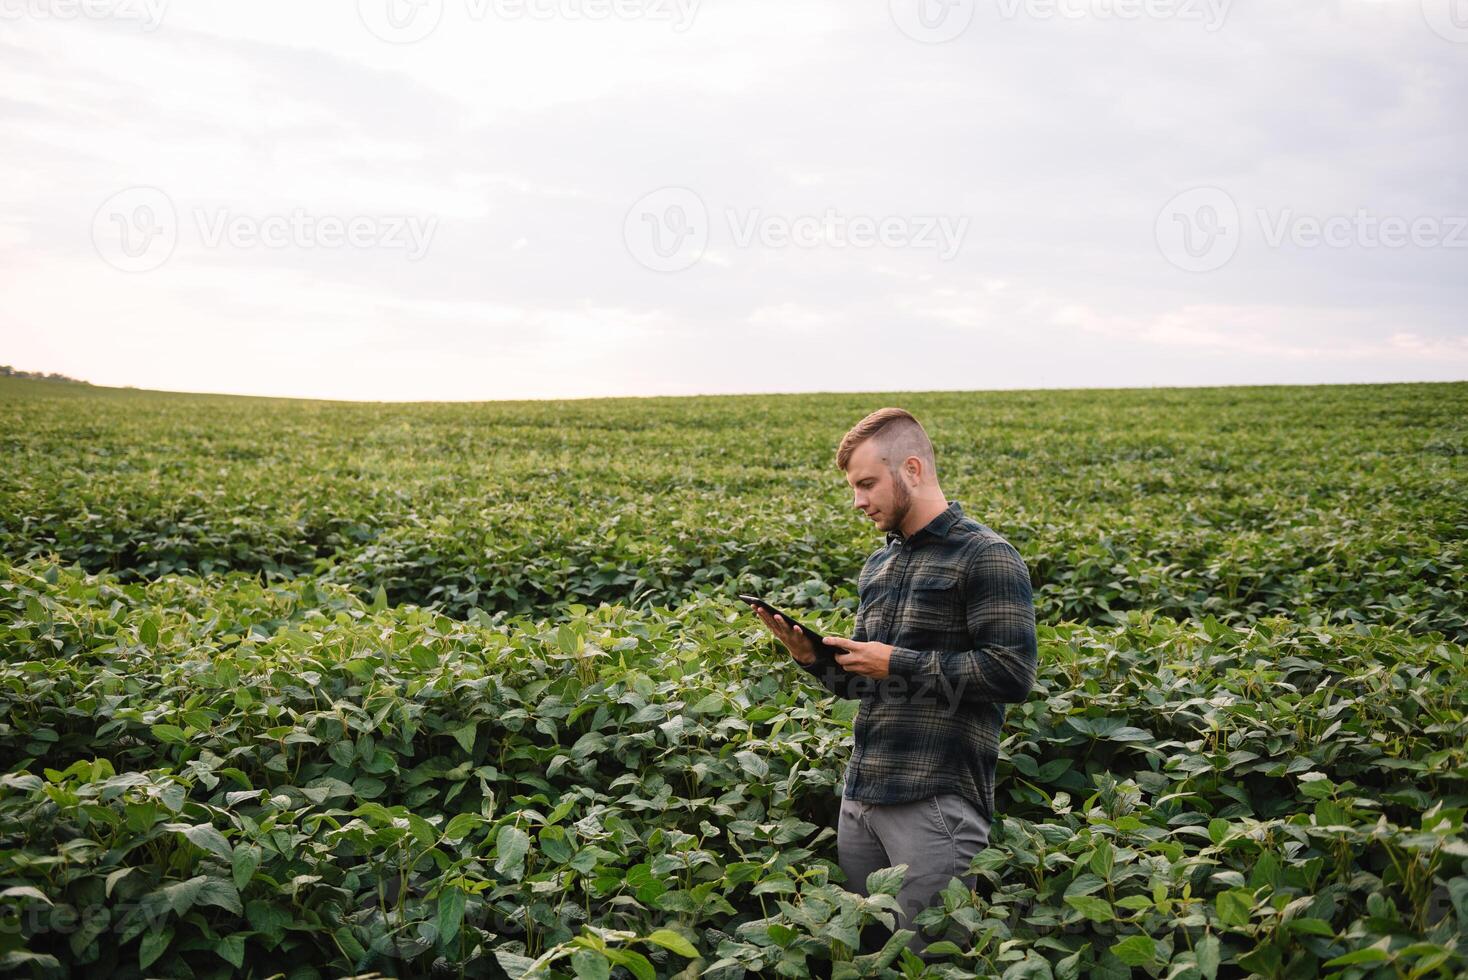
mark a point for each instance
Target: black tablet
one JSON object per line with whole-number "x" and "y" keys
{"x": 755, "y": 600}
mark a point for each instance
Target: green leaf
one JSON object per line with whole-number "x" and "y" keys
{"x": 173, "y": 796}
{"x": 1208, "y": 954}
{"x": 639, "y": 875}
{"x": 232, "y": 949}
{"x": 1034, "y": 966}
{"x": 211, "y": 840}
{"x": 1135, "y": 950}
{"x": 170, "y": 733}
{"x": 778, "y": 883}
{"x": 1069, "y": 968}
{"x": 886, "y": 881}
{"x": 1264, "y": 960}
{"x": 26, "y": 891}
{"x": 1095, "y": 909}
{"x": 1102, "y": 860}
{"x": 944, "y": 947}
{"x": 349, "y": 943}
{"x": 588, "y": 964}
{"x": 465, "y": 735}
{"x": 461, "y": 826}
{"x": 268, "y": 919}
{"x": 246, "y": 860}
{"x": 640, "y": 966}
{"x": 1085, "y": 884}
{"x": 781, "y": 934}
{"x": 1370, "y": 954}
{"x": 342, "y": 752}
{"x": 155, "y": 944}
{"x": 709, "y": 704}
{"x": 450, "y": 914}
{"x": 511, "y": 845}
{"x": 1234, "y": 906}
{"x": 1313, "y": 927}
{"x": 181, "y": 895}
{"x": 1051, "y": 771}
{"x": 221, "y": 893}
{"x": 514, "y": 965}
{"x": 668, "y": 939}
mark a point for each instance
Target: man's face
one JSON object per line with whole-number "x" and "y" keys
{"x": 884, "y": 499}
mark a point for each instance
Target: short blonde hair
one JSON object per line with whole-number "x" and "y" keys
{"x": 899, "y": 434}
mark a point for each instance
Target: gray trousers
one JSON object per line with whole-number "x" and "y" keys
{"x": 935, "y": 837}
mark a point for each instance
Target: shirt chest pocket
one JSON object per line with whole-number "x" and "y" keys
{"x": 872, "y": 608}
{"x": 934, "y": 604}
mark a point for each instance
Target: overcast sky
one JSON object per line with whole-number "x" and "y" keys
{"x": 466, "y": 199}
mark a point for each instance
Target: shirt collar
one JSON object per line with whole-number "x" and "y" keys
{"x": 938, "y": 527}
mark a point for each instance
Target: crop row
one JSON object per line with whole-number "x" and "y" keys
{"x": 1329, "y": 505}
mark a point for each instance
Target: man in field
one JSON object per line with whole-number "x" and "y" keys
{"x": 944, "y": 638}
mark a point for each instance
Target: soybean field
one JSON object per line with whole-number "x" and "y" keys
{"x": 314, "y": 689}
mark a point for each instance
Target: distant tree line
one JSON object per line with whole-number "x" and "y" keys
{"x": 6, "y": 371}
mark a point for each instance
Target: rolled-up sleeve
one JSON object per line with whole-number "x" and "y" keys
{"x": 1001, "y": 624}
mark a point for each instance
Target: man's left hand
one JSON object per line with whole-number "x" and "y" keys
{"x": 869, "y": 659}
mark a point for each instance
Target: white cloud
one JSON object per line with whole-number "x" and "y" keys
{"x": 1266, "y": 331}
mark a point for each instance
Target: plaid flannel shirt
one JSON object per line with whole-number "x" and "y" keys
{"x": 954, "y": 600}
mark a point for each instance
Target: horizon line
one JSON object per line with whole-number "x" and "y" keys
{"x": 79, "y": 382}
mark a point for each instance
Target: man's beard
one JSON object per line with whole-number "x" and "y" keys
{"x": 901, "y": 504}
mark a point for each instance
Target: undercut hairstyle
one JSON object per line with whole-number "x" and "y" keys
{"x": 898, "y": 435}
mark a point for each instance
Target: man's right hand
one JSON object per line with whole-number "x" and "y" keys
{"x": 800, "y": 645}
